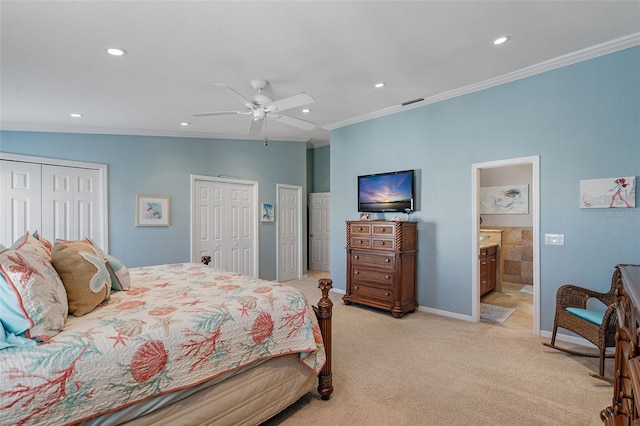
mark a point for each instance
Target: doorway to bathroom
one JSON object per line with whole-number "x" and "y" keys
{"x": 514, "y": 238}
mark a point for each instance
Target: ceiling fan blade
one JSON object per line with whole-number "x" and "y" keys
{"x": 295, "y": 122}
{"x": 290, "y": 102}
{"x": 241, "y": 97}
{"x": 209, "y": 114}
{"x": 254, "y": 127}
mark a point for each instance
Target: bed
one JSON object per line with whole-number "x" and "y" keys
{"x": 183, "y": 344}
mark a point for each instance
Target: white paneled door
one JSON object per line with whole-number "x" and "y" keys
{"x": 71, "y": 196}
{"x": 59, "y": 201}
{"x": 289, "y": 223}
{"x": 224, "y": 223}
{"x": 319, "y": 231}
{"x": 20, "y": 198}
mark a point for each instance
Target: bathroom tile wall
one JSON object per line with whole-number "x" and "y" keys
{"x": 517, "y": 254}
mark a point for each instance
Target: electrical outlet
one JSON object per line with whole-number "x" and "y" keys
{"x": 554, "y": 239}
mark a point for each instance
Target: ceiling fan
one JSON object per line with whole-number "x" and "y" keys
{"x": 260, "y": 107}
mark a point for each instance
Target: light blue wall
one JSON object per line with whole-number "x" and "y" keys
{"x": 582, "y": 120}
{"x": 318, "y": 169}
{"x": 321, "y": 169}
{"x": 163, "y": 166}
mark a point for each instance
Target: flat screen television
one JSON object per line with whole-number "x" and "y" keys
{"x": 386, "y": 192}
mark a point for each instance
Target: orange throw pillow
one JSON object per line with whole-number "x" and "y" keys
{"x": 84, "y": 275}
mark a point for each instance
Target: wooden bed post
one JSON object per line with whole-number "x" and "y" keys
{"x": 324, "y": 313}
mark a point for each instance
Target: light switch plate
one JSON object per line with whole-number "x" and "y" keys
{"x": 554, "y": 239}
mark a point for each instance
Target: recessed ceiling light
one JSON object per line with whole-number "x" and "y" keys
{"x": 116, "y": 51}
{"x": 379, "y": 85}
{"x": 306, "y": 110}
{"x": 500, "y": 40}
{"x": 184, "y": 123}
{"x": 75, "y": 115}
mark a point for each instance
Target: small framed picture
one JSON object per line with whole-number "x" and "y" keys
{"x": 267, "y": 212}
{"x": 365, "y": 216}
{"x": 152, "y": 210}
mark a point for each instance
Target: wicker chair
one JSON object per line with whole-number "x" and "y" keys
{"x": 597, "y": 327}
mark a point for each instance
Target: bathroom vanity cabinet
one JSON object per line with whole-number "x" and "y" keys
{"x": 488, "y": 259}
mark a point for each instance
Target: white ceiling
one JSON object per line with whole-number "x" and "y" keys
{"x": 53, "y": 60}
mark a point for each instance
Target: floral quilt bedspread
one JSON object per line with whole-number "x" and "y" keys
{"x": 179, "y": 325}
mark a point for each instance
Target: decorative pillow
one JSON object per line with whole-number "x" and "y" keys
{"x": 33, "y": 301}
{"x": 120, "y": 279}
{"x": 84, "y": 274}
{"x": 46, "y": 244}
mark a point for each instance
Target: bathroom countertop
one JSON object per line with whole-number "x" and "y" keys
{"x": 488, "y": 244}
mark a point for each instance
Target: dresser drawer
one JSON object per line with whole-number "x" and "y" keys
{"x": 383, "y": 243}
{"x": 363, "y": 274}
{"x": 384, "y": 261}
{"x": 360, "y": 242}
{"x": 364, "y": 291}
{"x": 360, "y": 228}
{"x": 383, "y": 229}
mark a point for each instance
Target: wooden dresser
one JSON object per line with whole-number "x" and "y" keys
{"x": 381, "y": 265}
{"x": 625, "y": 410}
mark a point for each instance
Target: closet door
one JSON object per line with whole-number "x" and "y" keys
{"x": 239, "y": 224}
{"x": 20, "y": 200}
{"x": 71, "y": 203}
{"x": 223, "y": 224}
{"x": 208, "y": 222}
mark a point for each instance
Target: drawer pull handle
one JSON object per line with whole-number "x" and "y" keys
{"x": 360, "y": 242}
{"x": 382, "y": 243}
{"x": 484, "y": 262}
{"x": 493, "y": 260}
{"x": 360, "y": 229}
{"x": 357, "y": 288}
{"x": 388, "y": 260}
{"x": 356, "y": 272}
{"x": 356, "y": 257}
{"x": 388, "y": 277}
{"x": 386, "y": 294}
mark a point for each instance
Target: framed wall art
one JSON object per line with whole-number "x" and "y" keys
{"x": 152, "y": 210}
{"x": 512, "y": 199}
{"x": 609, "y": 193}
{"x": 267, "y": 212}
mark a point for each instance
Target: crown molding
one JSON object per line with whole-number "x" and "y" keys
{"x": 36, "y": 127}
{"x": 612, "y": 46}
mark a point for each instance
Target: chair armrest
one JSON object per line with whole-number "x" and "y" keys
{"x": 571, "y": 295}
{"x": 610, "y": 316}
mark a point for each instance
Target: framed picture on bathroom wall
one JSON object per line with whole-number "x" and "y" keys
{"x": 511, "y": 199}
{"x": 609, "y": 193}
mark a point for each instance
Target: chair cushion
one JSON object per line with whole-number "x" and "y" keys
{"x": 594, "y": 317}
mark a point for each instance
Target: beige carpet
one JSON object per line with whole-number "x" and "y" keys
{"x": 426, "y": 369}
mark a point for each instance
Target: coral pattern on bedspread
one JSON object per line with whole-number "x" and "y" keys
{"x": 177, "y": 326}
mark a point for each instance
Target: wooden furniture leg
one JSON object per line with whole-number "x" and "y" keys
{"x": 324, "y": 312}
